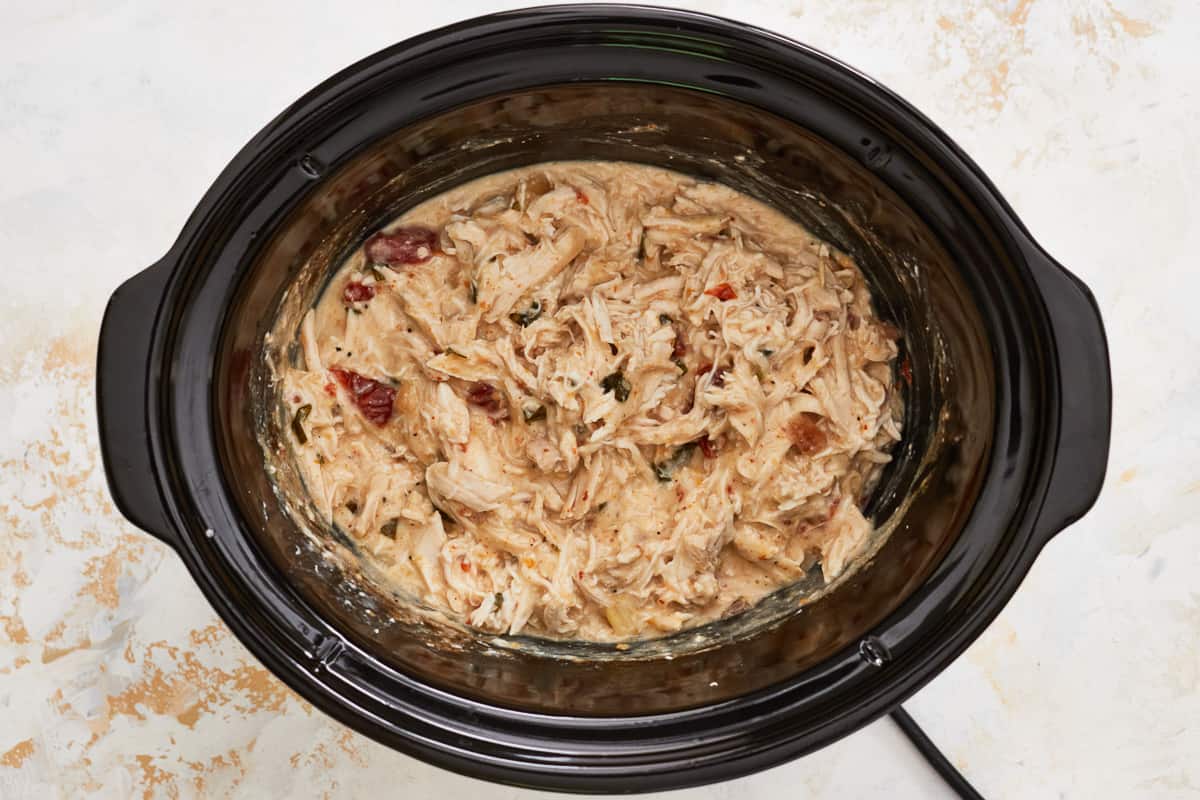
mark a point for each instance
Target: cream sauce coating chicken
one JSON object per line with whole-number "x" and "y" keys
{"x": 595, "y": 400}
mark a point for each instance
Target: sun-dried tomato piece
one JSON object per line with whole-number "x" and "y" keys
{"x": 806, "y": 433}
{"x": 707, "y": 446}
{"x": 718, "y": 378}
{"x": 680, "y": 348}
{"x": 581, "y": 197}
{"x": 722, "y": 291}
{"x": 374, "y": 399}
{"x": 481, "y": 394}
{"x": 410, "y": 245}
{"x": 356, "y": 292}
{"x": 485, "y": 396}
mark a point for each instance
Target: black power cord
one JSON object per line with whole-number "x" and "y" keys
{"x": 925, "y": 746}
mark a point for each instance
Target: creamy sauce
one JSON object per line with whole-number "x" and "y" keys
{"x": 595, "y": 400}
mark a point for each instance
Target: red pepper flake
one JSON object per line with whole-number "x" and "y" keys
{"x": 806, "y": 433}
{"x": 722, "y": 291}
{"x": 295, "y": 398}
{"x": 465, "y": 565}
{"x": 410, "y": 245}
{"x": 707, "y": 447}
{"x": 356, "y": 292}
{"x": 906, "y": 370}
{"x": 374, "y": 399}
{"x": 485, "y": 396}
{"x": 581, "y": 197}
{"x": 331, "y": 389}
{"x": 585, "y": 496}
{"x": 580, "y": 574}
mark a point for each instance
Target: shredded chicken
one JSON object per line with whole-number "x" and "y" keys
{"x": 595, "y": 400}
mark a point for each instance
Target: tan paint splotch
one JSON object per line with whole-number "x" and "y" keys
{"x": 990, "y": 44}
{"x": 227, "y": 769}
{"x": 176, "y": 682}
{"x": 347, "y": 742}
{"x": 1103, "y": 30}
{"x": 62, "y": 640}
{"x": 17, "y": 755}
{"x": 150, "y": 777}
{"x": 1137, "y": 28}
{"x": 104, "y": 571}
{"x": 14, "y": 630}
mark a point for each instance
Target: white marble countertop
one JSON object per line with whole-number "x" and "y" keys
{"x": 117, "y": 680}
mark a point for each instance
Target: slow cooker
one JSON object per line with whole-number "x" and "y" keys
{"x": 1006, "y": 418}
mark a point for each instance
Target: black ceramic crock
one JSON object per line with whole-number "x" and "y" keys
{"x": 1007, "y": 420}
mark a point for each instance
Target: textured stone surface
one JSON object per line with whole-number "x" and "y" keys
{"x": 117, "y": 680}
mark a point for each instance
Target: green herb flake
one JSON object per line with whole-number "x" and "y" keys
{"x": 665, "y": 470}
{"x": 473, "y": 293}
{"x": 298, "y": 422}
{"x": 767, "y": 352}
{"x": 525, "y": 318}
{"x": 533, "y": 415}
{"x": 616, "y": 384}
{"x": 388, "y": 528}
{"x": 664, "y": 319}
{"x": 679, "y": 363}
{"x": 499, "y": 600}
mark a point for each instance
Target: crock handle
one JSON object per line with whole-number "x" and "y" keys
{"x": 122, "y": 389}
{"x": 1085, "y": 413}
